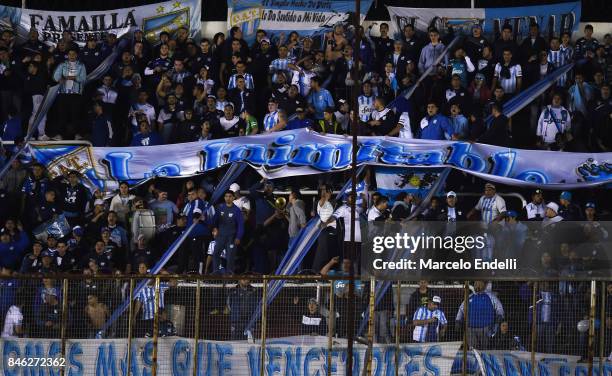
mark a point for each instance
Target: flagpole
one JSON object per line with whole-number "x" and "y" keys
{"x": 352, "y": 245}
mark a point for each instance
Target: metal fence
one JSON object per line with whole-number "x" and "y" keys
{"x": 69, "y": 317}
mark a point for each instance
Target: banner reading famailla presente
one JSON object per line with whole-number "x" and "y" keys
{"x": 553, "y": 19}
{"x": 291, "y": 153}
{"x": 152, "y": 19}
{"x": 284, "y": 16}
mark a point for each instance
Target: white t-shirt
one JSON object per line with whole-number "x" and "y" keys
{"x": 490, "y": 207}
{"x": 325, "y": 212}
{"x": 373, "y": 213}
{"x": 14, "y": 318}
{"x": 405, "y": 131}
{"x": 344, "y": 212}
{"x": 243, "y": 203}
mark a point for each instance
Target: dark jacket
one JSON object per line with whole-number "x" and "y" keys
{"x": 497, "y": 134}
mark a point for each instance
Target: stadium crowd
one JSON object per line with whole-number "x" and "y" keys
{"x": 180, "y": 90}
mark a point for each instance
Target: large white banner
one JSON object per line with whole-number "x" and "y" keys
{"x": 292, "y": 356}
{"x": 301, "y": 152}
{"x": 281, "y": 17}
{"x": 552, "y": 19}
{"x": 517, "y": 363}
{"x": 152, "y": 19}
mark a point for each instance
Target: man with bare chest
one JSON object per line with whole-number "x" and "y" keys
{"x": 97, "y": 313}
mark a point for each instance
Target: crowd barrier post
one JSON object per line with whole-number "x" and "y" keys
{"x": 331, "y": 327}
{"x": 534, "y": 328}
{"x": 264, "y": 319}
{"x": 602, "y": 326}
{"x": 371, "y": 320}
{"x": 155, "y": 327}
{"x": 397, "y": 326}
{"x": 592, "y": 326}
{"x": 130, "y": 329}
{"x": 466, "y": 312}
{"x": 64, "y": 321}
{"x": 196, "y": 334}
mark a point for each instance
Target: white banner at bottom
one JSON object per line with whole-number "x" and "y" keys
{"x": 291, "y": 356}
{"x": 518, "y": 363}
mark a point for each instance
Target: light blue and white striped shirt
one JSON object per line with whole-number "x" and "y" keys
{"x": 248, "y": 81}
{"x": 509, "y": 84}
{"x": 270, "y": 120}
{"x": 423, "y": 313}
{"x": 146, "y": 297}
{"x": 490, "y": 207}
{"x": 366, "y": 106}
{"x": 280, "y": 64}
{"x": 558, "y": 59}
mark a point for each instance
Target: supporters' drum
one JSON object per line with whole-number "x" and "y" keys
{"x": 583, "y": 326}
{"x": 143, "y": 223}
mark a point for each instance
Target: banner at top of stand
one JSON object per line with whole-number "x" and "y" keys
{"x": 553, "y": 19}
{"x": 152, "y": 19}
{"x": 276, "y": 17}
{"x": 301, "y": 152}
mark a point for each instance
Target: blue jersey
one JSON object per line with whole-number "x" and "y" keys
{"x": 436, "y": 127}
{"x": 320, "y": 100}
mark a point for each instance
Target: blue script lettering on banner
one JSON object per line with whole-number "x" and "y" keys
{"x": 181, "y": 358}
{"x": 302, "y": 152}
{"x": 224, "y": 354}
{"x": 74, "y": 353}
{"x": 293, "y": 362}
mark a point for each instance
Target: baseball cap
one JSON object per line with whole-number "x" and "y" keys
{"x": 489, "y": 185}
{"x": 313, "y": 300}
{"x": 553, "y": 206}
{"x": 234, "y": 187}
{"x": 78, "y": 230}
{"x": 141, "y": 237}
{"x": 565, "y": 195}
{"x": 104, "y": 229}
{"x": 436, "y": 299}
{"x": 590, "y": 204}
{"x": 479, "y": 76}
{"x": 269, "y": 182}
{"x": 342, "y": 101}
{"x": 451, "y": 194}
{"x": 99, "y": 202}
{"x": 512, "y": 214}
{"x": 265, "y": 39}
{"x": 538, "y": 192}
{"x": 46, "y": 254}
{"x": 299, "y": 109}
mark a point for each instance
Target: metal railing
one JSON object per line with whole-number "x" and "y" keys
{"x": 183, "y": 323}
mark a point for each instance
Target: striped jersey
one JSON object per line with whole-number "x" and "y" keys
{"x": 270, "y": 120}
{"x": 490, "y": 207}
{"x": 509, "y": 84}
{"x": 366, "y": 106}
{"x": 429, "y": 332}
{"x": 146, "y": 297}
{"x": 558, "y": 59}
{"x": 302, "y": 80}
{"x": 248, "y": 81}
{"x": 280, "y": 64}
